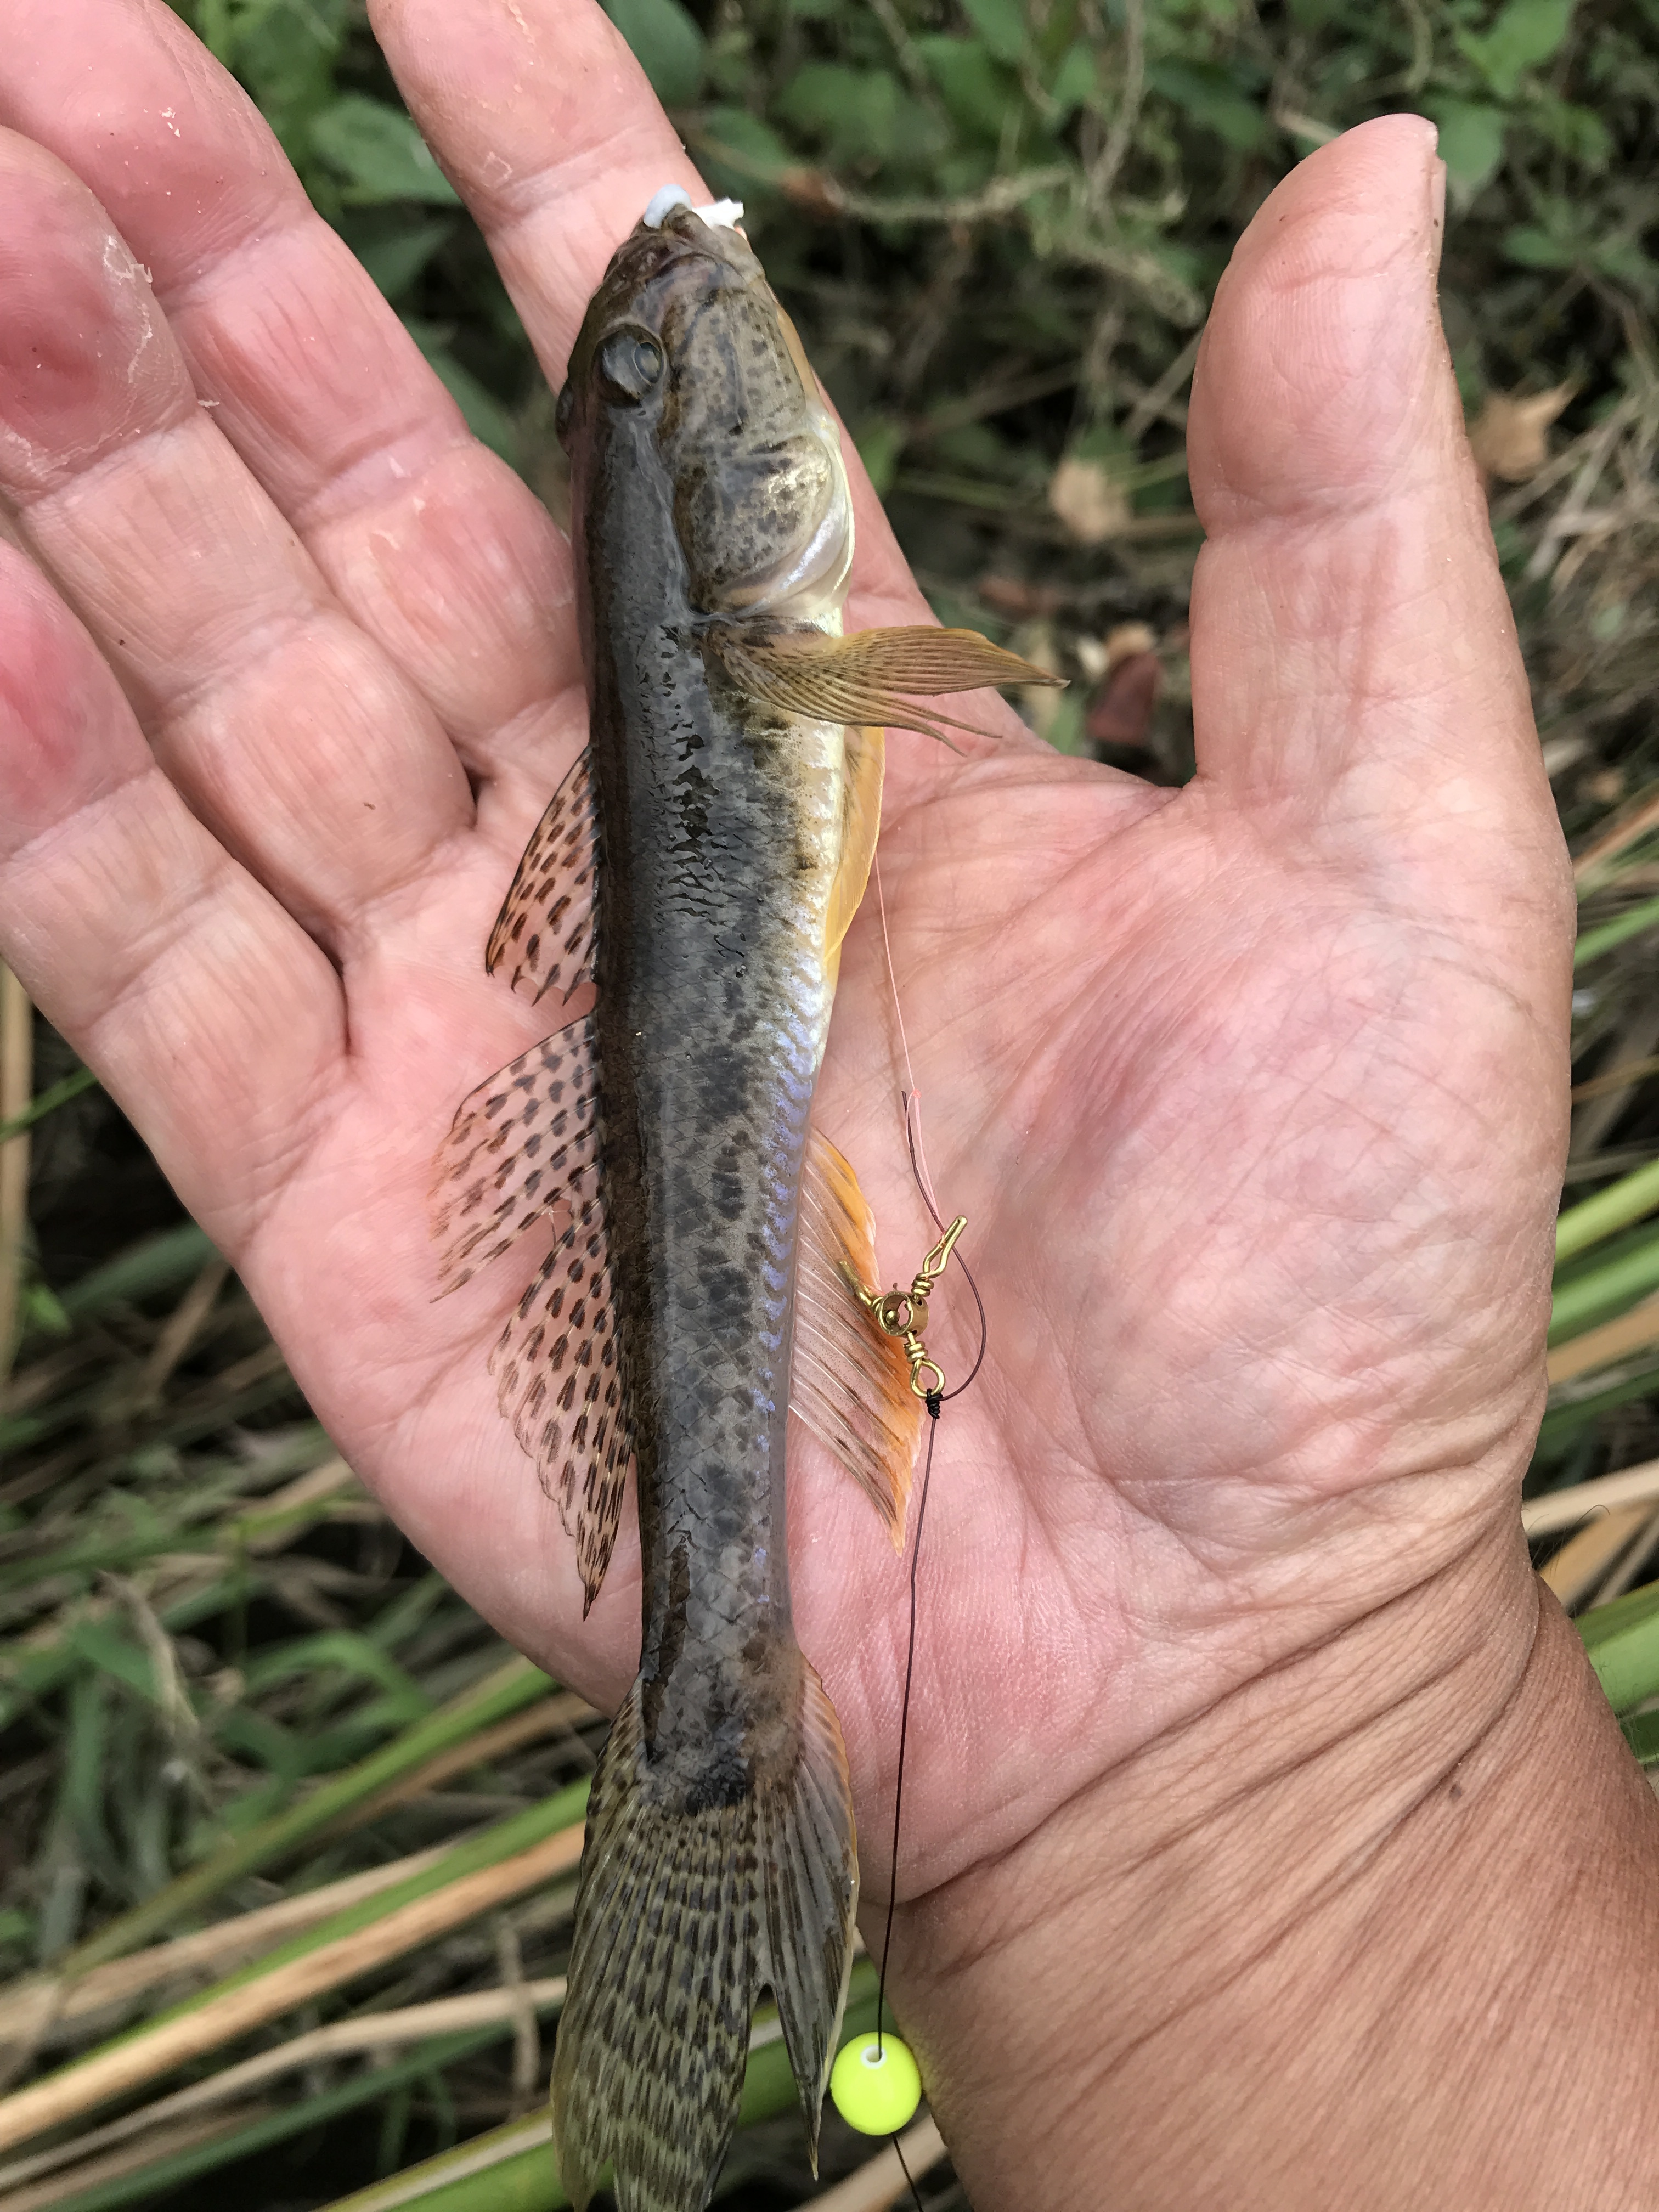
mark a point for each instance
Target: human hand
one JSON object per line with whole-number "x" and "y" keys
{"x": 1251, "y": 1093}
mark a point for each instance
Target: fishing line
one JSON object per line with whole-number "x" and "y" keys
{"x": 934, "y": 1400}
{"x": 912, "y": 1101}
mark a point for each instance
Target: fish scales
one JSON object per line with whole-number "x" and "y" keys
{"x": 701, "y": 863}
{"x": 712, "y": 1007}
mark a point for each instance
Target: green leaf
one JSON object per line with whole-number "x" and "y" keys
{"x": 395, "y": 261}
{"x": 978, "y": 94}
{"x": 1211, "y": 96}
{"x": 738, "y": 154}
{"x": 1593, "y": 942}
{"x": 341, "y": 1648}
{"x": 1579, "y": 132}
{"x": 880, "y": 441}
{"x": 48, "y": 1102}
{"x": 285, "y": 52}
{"x": 44, "y": 1310}
{"x": 111, "y": 1653}
{"x": 1601, "y": 1292}
{"x": 1622, "y": 1643}
{"x": 379, "y": 153}
{"x": 1471, "y": 143}
{"x": 1076, "y": 83}
{"x": 855, "y": 113}
{"x": 666, "y": 44}
{"x": 1538, "y": 249}
{"x": 1066, "y": 732}
{"x": 1001, "y": 24}
{"x": 1526, "y": 32}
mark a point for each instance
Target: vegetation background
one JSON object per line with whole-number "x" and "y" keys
{"x": 231, "y": 1699}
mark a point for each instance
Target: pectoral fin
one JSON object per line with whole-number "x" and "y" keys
{"x": 524, "y": 1146}
{"x": 557, "y": 1382}
{"x": 513, "y": 1149}
{"x": 543, "y": 935}
{"x": 865, "y": 679}
{"x": 851, "y": 1381}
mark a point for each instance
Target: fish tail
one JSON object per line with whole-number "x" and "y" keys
{"x": 684, "y": 1911}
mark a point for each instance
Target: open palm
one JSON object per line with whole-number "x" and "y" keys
{"x": 1250, "y": 1092}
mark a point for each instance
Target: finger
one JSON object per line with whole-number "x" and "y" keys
{"x": 289, "y": 732}
{"x": 1355, "y": 666}
{"x": 207, "y": 1012}
{"x": 430, "y": 542}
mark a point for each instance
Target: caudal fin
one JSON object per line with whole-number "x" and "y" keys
{"x": 684, "y": 1914}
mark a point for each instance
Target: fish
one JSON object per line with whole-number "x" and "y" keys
{"x": 700, "y": 865}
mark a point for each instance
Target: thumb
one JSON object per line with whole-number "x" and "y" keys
{"x": 1357, "y": 680}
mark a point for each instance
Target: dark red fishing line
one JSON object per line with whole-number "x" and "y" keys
{"x": 933, "y": 1401}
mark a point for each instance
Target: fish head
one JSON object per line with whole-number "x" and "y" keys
{"x": 686, "y": 366}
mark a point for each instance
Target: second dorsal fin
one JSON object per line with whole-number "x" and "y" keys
{"x": 851, "y": 1381}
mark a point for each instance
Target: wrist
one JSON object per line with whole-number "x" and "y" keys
{"x": 1300, "y": 1920}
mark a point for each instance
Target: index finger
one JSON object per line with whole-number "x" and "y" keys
{"x": 432, "y": 543}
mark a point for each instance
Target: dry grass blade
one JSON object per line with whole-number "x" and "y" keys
{"x": 552, "y": 1716}
{"x": 363, "y": 2032}
{"x": 1599, "y": 1347}
{"x": 212, "y": 1951}
{"x": 128, "y": 2064}
{"x": 177, "y": 1337}
{"x": 882, "y": 2182}
{"x": 1583, "y": 1563}
{"x": 1565, "y": 1508}
{"x": 1641, "y": 818}
{"x": 508, "y": 1686}
{"x": 116, "y": 2165}
{"x": 1616, "y": 1078}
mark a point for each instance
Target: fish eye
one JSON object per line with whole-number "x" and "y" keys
{"x": 628, "y": 364}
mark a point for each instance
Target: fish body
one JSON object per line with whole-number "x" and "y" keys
{"x": 707, "y": 486}
{"x": 701, "y": 863}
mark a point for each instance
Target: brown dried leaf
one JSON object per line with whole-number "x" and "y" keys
{"x": 1510, "y": 437}
{"x": 1084, "y": 495}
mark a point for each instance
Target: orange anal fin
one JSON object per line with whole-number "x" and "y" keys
{"x": 513, "y": 1149}
{"x": 557, "y": 1382}
{"x": 544, "y": 935}
{"x": 851, "y": 1381}
{"x": 866, "y": 678}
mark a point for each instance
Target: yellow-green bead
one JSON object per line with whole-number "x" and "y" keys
{"x": 875, "y": 2085}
